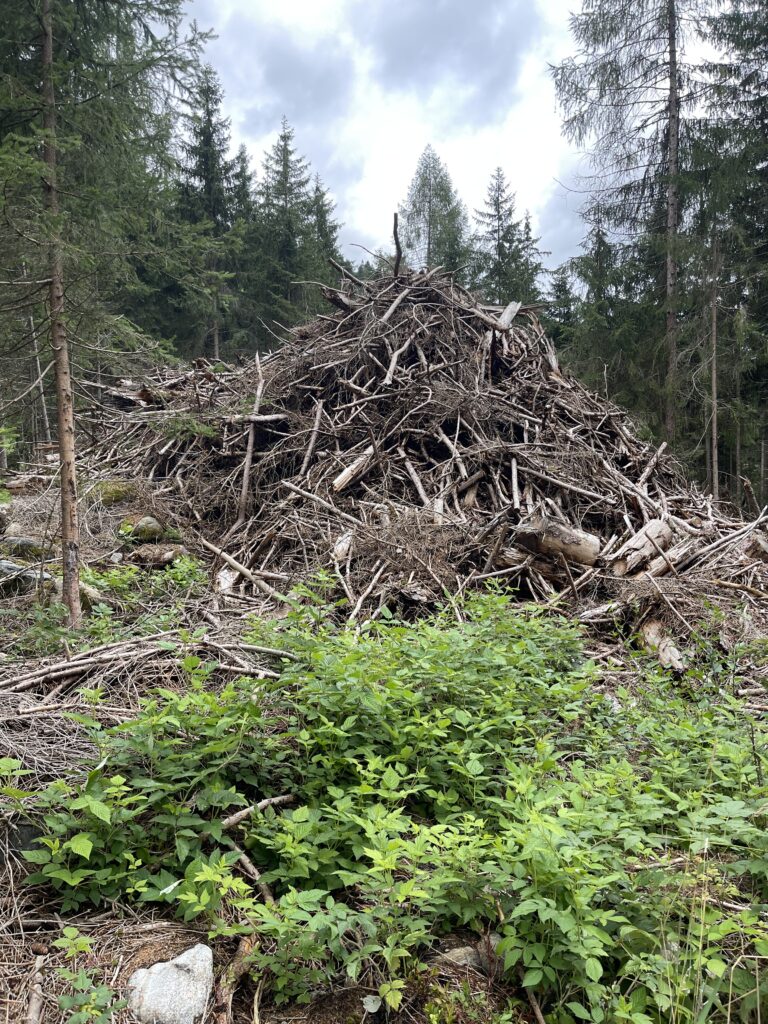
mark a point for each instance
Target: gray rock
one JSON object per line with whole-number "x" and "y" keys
{"x": 173, "y": 991}
{"x": 486, "y": 950}
{"x": 147, "y": 529}
{"x": 18, "y": 579}
{"x": 25, "y": 547}
{"x": 461, "y": 956}
{"x": 20, "y": 836}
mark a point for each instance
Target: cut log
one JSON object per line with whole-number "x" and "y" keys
{"x": 551, "y": 538}
{"x": 353, "y": 469}
{"x": 647, "y": 543}
{"x": 656, "y": 640}
{"x": 664, "y": 563}
{"x": 757, "y": 547}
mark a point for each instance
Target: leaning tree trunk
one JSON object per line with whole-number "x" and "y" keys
{"x": 65, "y": 406}
{"x": 673, "y": 217}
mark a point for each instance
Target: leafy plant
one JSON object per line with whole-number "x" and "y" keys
{"x": 88, "y": 1002}
{"x": 444, "y": 776}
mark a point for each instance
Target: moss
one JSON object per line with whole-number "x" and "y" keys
{"x": 26, "y": 548}
{"x": 114, "y": 492}
{"x": 140, "y": 528}
{"x": 184, "y": 426}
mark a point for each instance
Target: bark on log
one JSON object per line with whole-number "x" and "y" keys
{"x": 646, "y": 544}
{"x": 551, "y": 538}
{"x": 757, "y": 548}
{"x": 663, "y": 564}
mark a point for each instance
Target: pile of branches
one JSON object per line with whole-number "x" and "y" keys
{"x": 414, "y": 442}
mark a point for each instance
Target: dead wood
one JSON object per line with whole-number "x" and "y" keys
{"x": 414, "y": 442}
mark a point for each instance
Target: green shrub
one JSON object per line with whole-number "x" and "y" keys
{"x": 445, "y": 776}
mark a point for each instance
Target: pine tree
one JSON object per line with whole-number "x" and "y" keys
{"x": 285, "y": 209}
{"x": 242, "y": 205}
{"x": 622, "y": 92}
{"x": 562, "y": 308}
{"x": 76, "y": 81}
{"x": 206, "y": 201}
{"x": 207, "y": 172}
{"x": 434, "y": 219}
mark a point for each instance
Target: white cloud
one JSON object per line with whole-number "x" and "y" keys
{"x": 335, "y": 69}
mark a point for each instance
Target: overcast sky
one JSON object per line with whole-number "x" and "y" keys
{"x": 367, "y": 84}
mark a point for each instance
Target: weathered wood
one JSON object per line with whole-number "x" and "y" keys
{"x": 354, "y": 469}
{"x": 655, "y": 639}
{"x": 551, "y": 538}
{"x": 647, "y": 543}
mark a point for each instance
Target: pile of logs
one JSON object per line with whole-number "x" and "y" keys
{"x": 413, "y": 443}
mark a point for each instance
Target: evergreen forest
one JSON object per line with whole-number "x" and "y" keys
{"x": 383, "y": 630}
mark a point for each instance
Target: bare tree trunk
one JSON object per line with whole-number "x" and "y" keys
{"x": 38, "y": 371}
{"x": 40, "y": 384}
{"x": 65, "y": 406}
{"x": 763, "y": 466}
{"x": 737, "y": 412}
{"x": 673, "y": 216}
{"x": 714, "y": 378}
{"x": 216, "y": 341}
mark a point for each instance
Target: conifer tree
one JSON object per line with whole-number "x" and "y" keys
{"x": 434, "y": 218}
{"x": 206, "y": 201}
{"x": 76, "y": 81}
{"x": 562, "y": 308}
{"x": 622, "y": 94}
{"x": 285, "y": 205}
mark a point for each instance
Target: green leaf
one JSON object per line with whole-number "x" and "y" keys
{"x": 100, "y": 810}
{"x": 532, "y": 977}
{"x": 81, "y": 845}
{"x": 716, "y": 967}
{"x": 579, "y": 1011}
{"x": 594, "y": 968}
{"x": 36, "y": 856}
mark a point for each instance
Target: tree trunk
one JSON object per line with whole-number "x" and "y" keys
{"x": 673, "y": 216}
{"x": 65, "y": 406}
{"x": 713, "y": 388}
{"x": 737, "y": 453}
{"x": 38, "y": 370}
{"x": 40, "y": 385}
{"x": 215, "y": 339}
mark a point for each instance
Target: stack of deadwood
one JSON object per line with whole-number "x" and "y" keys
{"x": 413, "y": 443}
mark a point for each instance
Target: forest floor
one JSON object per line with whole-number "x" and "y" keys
{"x": 587, "y": 827}
{"x": 412, "y": 680}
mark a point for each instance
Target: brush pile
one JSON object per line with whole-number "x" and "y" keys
{"x": 414, "y": 443}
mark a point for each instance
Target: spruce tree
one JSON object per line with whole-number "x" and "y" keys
{"x": 206, "y": 201}
{"x": 622, "y": 93}
{"x": 285, "y": 207}
{"x": 84, "y": 93}
{"x": 434, "y": 219}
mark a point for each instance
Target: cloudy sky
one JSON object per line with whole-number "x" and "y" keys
{"x": 367, "y": 84}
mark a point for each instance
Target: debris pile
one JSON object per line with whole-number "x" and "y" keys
{"x": 413, "y": 443}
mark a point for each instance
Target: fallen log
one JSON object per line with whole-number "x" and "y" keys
{"x": 554, "y": 539}
{"x": 654, "y": 538}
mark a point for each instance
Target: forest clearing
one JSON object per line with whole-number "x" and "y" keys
{"x": 381, "y": 640}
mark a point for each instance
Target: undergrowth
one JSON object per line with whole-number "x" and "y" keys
{"x": 136, "y": 602}
{"x": 445, "y": 777}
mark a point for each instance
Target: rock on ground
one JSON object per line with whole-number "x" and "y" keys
{"x": 173, "y": 991}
